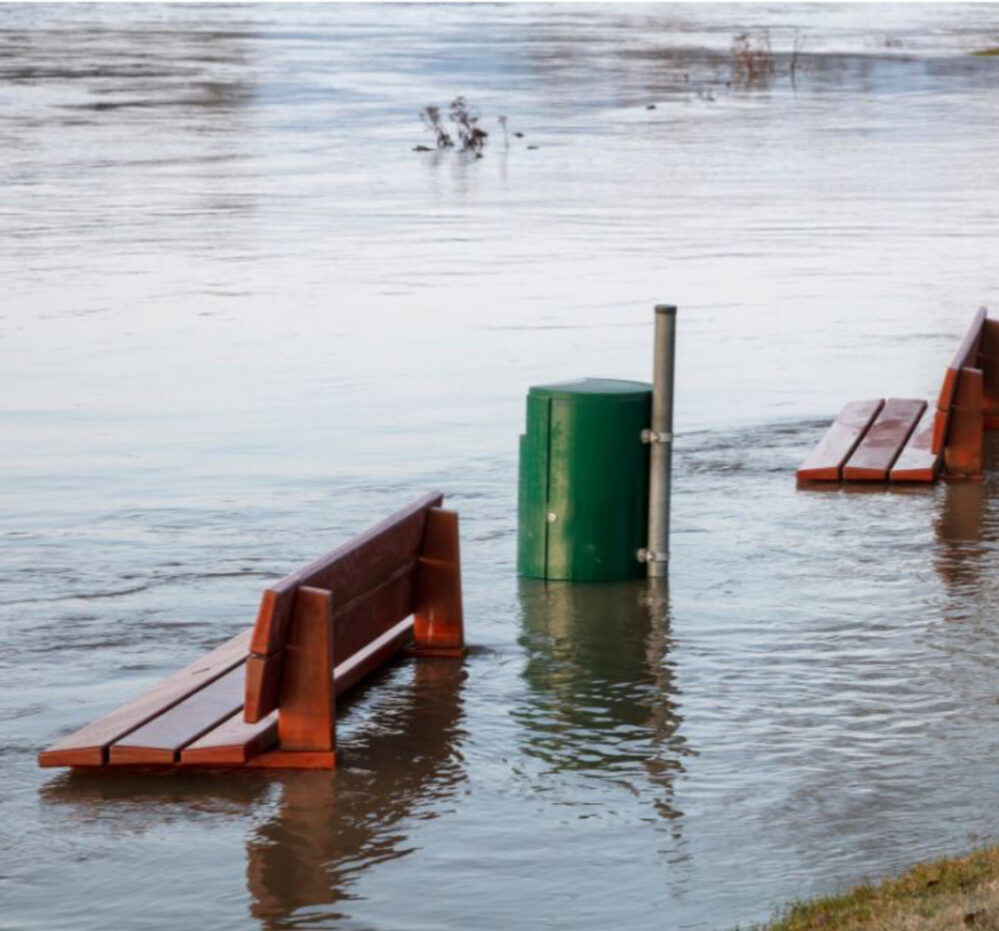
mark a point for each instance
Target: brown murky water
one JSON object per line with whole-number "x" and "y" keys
{"x": 241, "y": 319}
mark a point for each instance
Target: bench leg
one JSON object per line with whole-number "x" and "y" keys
{"x": 438, "y": 623}
{"x": 307, "y": 713}
{"x": 963, "y": 451}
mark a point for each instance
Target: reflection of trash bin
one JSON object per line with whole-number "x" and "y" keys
{"x": 584, "y": 481}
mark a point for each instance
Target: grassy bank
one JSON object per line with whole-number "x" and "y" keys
{"x": 953, "y": 893}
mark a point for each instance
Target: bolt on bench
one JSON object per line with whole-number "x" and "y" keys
{"x": 899, "y": 440}
{"x": 267, "y": 697}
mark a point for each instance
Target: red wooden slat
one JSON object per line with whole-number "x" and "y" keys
{"x": 375, "y": 654}
{"x": 358, "y": 622}
{"x": 294, "y": 759}
{"x": 877, "y": 451}
{"x": 988, "y": 362}
{"x": 917, "y": 462}
{"x": 162, "y": 738}
{"x": 941, "y": 423}
{"x": 88, "y": 746}
{"x": 825, "y": 462}
{"x": 233, "y": 742}
{"x": 263, "y": 684}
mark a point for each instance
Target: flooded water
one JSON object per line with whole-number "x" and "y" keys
{"x": 242, "y": 319}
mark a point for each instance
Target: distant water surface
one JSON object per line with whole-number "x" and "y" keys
{"x": 241, "y": 319}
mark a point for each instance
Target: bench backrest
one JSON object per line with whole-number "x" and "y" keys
{"x": 372, "y": 579}
{"x": 965, "y": 357}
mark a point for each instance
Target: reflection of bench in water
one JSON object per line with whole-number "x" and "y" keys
{"x": 266, "y": 698}
{"x": 899, "y": 440}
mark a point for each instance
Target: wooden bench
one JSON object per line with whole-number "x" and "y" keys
{"x": 901, "y": 440}
{"x": 267, "y": 697}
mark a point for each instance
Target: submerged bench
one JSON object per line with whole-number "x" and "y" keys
{"x": 901, "y": 440}
{"x": 267, "y": 697}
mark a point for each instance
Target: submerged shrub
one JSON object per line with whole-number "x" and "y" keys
{"x": 465, "y": 117}
{"x": 465, "y": 131}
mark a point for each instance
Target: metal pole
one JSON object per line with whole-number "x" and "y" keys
{"x": 660, "y": 438}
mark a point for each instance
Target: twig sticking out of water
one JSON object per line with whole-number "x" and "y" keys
{"x": 799, "y": 44}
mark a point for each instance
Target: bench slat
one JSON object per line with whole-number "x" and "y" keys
{"x": 373, "y": 655}
{"x": 89, "y": 745}
{"x": 233, "y": 742}
{"x": 917, "y": 462}
{"x": 988, "y": 362}
{"x": 364, "y": 619}
{"x": 162, "y": 738}
{"x": 825, "y": 462}
{"x": 872, "y": 460}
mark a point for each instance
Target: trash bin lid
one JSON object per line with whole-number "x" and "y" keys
{"x": 593, "y": 389}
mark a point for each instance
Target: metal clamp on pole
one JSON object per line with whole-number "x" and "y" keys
{"x": 647, "y": 556}
{"x": 660, "y": 441}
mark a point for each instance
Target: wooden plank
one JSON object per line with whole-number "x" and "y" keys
{"x": 965, "y": 356}
{"x": 988, "y": 362}
{"x": 375, "y": 654}
{"x": 963, "y": 452}
{"x": 233, "y": 742}
{"x": 293, "y": 759}
{"x": 358, "y": 622}
{"x": 350, "y": 570}
{"x": 941, "y": 423}
{"x": 263, "y": 685}
{"x": 273, "y": 617}
{"x": 438, "y": 625}
{"x": 161, "y": 739}
{"x": 307, "y": 717}
{"x": 917, "y": 462}
{"x": 874, "y": 456}
{"x": 89, "y": 745}
{"x": 825, "y": 463}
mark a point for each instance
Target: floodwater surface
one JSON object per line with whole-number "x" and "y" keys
{"x": 241, "y": 319}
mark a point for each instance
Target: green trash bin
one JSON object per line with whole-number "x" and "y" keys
{"x": 584, "y": 481}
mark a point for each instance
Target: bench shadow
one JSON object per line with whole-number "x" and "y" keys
{"x": 601, "y": 692}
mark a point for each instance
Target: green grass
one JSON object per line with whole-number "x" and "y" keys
{"x": 953, "y": 893}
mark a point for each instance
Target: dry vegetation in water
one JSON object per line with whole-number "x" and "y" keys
{"x": 952, "y": 894}
{"x": 468, "y": 135}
